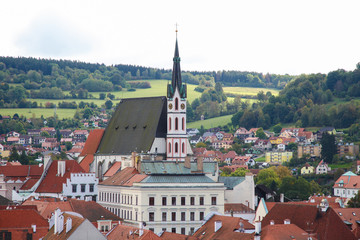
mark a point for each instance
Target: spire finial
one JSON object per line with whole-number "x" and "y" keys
{"x": 176, "y": 29}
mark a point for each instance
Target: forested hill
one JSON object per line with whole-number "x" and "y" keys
{"x": 310, "y": 100}
{"x": 46, "y": 67}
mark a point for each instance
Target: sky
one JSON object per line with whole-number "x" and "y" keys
{"x": 267, "y": 36}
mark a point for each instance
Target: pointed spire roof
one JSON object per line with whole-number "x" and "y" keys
{"x": 176, "y": 75}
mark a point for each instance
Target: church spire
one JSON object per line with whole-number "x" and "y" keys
{"x": 176, "y": 75}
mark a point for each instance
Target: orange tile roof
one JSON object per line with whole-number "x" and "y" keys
{"x": 53, "y": 183}
{"x": 86, "y": 161}
{"x": 176, "y": 236}
{"x": 327, "y": 224}
{"x": 20, "y": 218}
{"x": 76, "y": 222}
{"x": 227, "y": 230}
{"x": 29, "y": 183}
{"x": 283, "y": 232}
{"x": 125, "y": 177}
{"x": 128, "y": 232}
{"x": 237, "y": 208}
{"x": 352, "y": 182}
{"x": 113, "y": 169}
{"x": 92, "y": 142}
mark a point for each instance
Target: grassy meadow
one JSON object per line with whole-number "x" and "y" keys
{"x": 158, "y": 88}
{"x": 210, "y": 123}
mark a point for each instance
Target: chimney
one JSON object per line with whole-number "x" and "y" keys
{"x": 281, "y": 197}
{"x": 187, "y": 162}
{"x": 56, "y": 224}
{"x": 61, "y": 168}
{"x": 287, "y": 221}
{"x": 257, "y": 227}
{"x": 33, "y": 228}
{"x": 218, "y": 225}
{"x": 200, "y": 164}
{"x": 133, "y": 159}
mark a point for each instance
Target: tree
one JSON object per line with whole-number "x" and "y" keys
{"x": 200, "y": 145}
{"x": 260, "y": 134}
{"x": 277, "y": 128}
{"x": 328, "y": 147}
{"x": 226, "y": 171}
{"x": 267, "y": 176}
{"x": 240, "y": 172}
{"x": 14, "y": 156}
{"x": 108, "y": 104}
{"x": 24, "y": 160}
{"x": 354, "y": 202}
{"x": 102, "y": 96}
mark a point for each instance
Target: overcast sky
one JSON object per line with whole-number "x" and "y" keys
{"x": 272, "y": 36}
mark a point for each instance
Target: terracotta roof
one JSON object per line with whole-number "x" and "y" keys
{"x": 53, "y": 183}
{"x": 86, "y": 161}
{"x": 92, "y": 142}
{"x": 21, "y": 171}
{"x": 237, "y": 208}
{"x": 12, "y": 218}
{"x": 127, "y": 232}
{"x": 125, "y": 177}
{"x": 350, "y": 215}
{"x": 76, "y": 222}
{"x": 88, "y": 209}
{"x": 283, "y": 232}
{"x": 228, "y": 230}
{"x": 29, "y": 183}
{"x": 113, "y": 169}
{"x": 176, "y": 236}
{"x": 349, "y": 181}
{"x": 327, "y": 224}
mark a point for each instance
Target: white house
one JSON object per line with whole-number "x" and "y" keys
{"x": 322, "y": 168}
{"x": 347, "y": 185}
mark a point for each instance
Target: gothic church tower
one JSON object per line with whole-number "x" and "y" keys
{"x": 177, "y": 143}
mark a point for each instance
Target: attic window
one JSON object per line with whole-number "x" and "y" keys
{"x": 340, "y": 213}
{"x": 127, "y": 126}
{"x": 354, "y": 214}
{"x": 144, "y": 126}
{"x": 134, "y": 127}
{"x": 117, "y": 127}
{"x": 355, "y": 184}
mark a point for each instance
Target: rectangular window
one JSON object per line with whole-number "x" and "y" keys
{"x": 91, "y": 189}
{"x": 192, "y": 230}
{"x": 151, "y": 201}
{"x": 182, "y": 201}
{"x": 173, "y": 201}
{"x": 183, "y": 214}
{"x": 163, "y": 229}
{"x": 164, "y": 217}
{"x": 173, "y": 230}
{"x": 192, "y": 216}
{"x": 173, "y": 216}
{"x": 151, "y": 216}
{"x": 192, "y": 200}
{"x": 83, "y": 186}
{"x": 183, "y": 231}
{"x": 151, "y": 229}
{"x": 74, "y": 187}
{"x": 201, "y": 201}
{"x": 201, "y": 216}
{"x": 164, "y": 201}
{"x": 213, "y": 200}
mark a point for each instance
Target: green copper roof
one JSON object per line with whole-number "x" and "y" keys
{"x": 177, "y": 179}
{"x": 134, "y": 126}
{"x": 176, "y": 76}
{"x": 349, "y": 173}
{"x": 171, "y": 167}
{"x": 231, "y": 182}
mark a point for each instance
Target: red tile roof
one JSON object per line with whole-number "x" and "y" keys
{"x": 113, "y": 169}
{"x": 86, "y": 161}
{"x": 53, "y": 183}
{"x": 22, "y": 170}
{"x": 228, "y": 230}
{"x": 327, "y": 224}
{"x": 127, "y": 232}
{"x": 29, "y": 183}
{"x": 283, "y": 232}
{"x": 351, "y": 182}
{"x": 237, "y": 208}
{"x": 92, "y": 142}
{"x": 75, "y": 223}
{"x": 176, "y": 236}
{"x": 125, "y": 177}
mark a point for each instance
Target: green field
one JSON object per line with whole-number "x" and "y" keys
{"x": 343, "y": 165}
{"x": 210, "y": 123}
{"x": 249, "y": 91}
{"x": 37, "y": 112}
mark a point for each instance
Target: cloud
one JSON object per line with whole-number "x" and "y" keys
{"x": 50, "y": 35}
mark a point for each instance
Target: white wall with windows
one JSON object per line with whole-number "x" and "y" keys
{"x": 81, "y": 185}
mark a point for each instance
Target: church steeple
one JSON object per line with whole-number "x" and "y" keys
{"x": 176, "y": 76}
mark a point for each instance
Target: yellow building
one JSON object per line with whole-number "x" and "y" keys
{"x": 276, "y": 140}
{"x": 307, "y": 169}
{"x": 278, "y": 157}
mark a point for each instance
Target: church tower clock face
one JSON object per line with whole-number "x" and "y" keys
{"x": 170, "y": 106}
{"x": 182, "y": 106}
